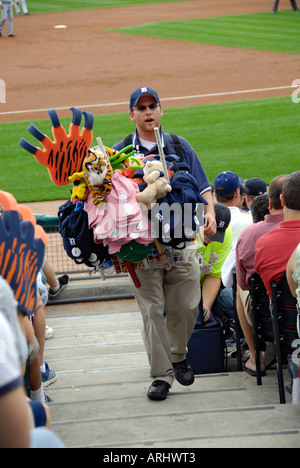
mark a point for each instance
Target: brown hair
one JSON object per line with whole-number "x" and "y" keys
{"x": 275, "y": 190}
{"x": 224, "y": 198}
{"x": 291, "y": 191}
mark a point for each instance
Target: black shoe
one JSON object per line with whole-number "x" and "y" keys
{"x": 63, "y": 283}
{"x": 158, "y": 390}
{"x": 11, "y": 35}
{"x": 184, "y": 373}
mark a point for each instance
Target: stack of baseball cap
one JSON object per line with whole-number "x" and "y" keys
{"x": 177, "y": 226}
{"x": 78, "y": 238}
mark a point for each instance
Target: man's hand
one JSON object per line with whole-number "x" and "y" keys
{"x": 206, "y": 314}
{"x": 210, "y": 226}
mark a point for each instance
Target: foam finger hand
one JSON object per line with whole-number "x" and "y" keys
{"x": 64, "y": 155}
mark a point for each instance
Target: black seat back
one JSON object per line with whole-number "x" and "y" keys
{"x": 260, "y": 306}
{"x": 285, "y": 306}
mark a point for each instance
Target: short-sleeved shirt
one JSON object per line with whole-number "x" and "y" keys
{"x": 245, "y": 248}
{"x": 188, "y": 156}
{"x": 239, "y": 221}
{"x": 214, "y": 255}
{"x": 273, "y": 251}
{"x": 10, "y": 371}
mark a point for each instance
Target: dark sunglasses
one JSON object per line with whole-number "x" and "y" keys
{"x": 142, "y": 108}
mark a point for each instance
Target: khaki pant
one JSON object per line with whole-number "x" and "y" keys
{"x": 245, "y": 298}
{"x": 176, "y": 294}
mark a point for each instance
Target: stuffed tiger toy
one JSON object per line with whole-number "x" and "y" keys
{"x": 97, "y": 174}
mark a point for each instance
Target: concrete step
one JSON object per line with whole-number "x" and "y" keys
{"x": 171, "y": 426}
{"x": 99, "y": 399}
{"x": 94, "y": 289}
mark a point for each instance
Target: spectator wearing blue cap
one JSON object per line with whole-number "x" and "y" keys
{"x": 254, "y": 188}
{"x": 168, "y": 299}
{"x": 230, "y": 191}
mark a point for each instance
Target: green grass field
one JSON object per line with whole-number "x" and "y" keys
{"x": 255, "y": 138}
{"x": 42, "y": 6}
{"x": 262, "y": 31}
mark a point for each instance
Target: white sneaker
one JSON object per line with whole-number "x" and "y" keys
{"x": 49, "y": 333}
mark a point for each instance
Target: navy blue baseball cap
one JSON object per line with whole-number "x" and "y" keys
{"x": 178, "y": 216}
{"x": 256, "y": 186}
{"x": 223, "y": 218}
{"x": 142, "y": 91}
{"x": 227, "y": 182}
{"x": 78, "y": 238}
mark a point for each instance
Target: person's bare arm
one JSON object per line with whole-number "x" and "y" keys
{"x": 289, "y": 273}
{"x": 210, "y": 289}
{"x": 14, "y": 420}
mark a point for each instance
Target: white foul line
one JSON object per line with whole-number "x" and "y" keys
{"x": 180, "y": 98}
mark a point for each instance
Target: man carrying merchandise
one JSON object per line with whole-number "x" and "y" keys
{"x": 168, "y": 299}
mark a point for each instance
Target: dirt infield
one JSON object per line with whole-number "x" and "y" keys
{"x": 84, "y": 65}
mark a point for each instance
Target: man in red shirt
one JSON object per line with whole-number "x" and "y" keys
{"x": 274, "y": 249}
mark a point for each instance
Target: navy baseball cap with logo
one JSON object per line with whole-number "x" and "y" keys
{"x": 78, "y": 237}
{"x": 223, "y": 218}
{"x": 256, "y": 186}
{"x": 227, "y": 182}
{"x": 142, "y": 91}
{"x": 178, "y": 216}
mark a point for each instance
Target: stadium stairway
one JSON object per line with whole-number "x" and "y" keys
{"x": 99, "y": 399}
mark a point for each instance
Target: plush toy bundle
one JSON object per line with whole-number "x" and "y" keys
{"x": 157, "y": 185}
{"x": 114, "y": 195}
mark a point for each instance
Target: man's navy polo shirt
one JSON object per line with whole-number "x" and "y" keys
{"x": 188, "y": 156}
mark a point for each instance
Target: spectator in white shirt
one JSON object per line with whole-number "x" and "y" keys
{"x": 229, "y": 190}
